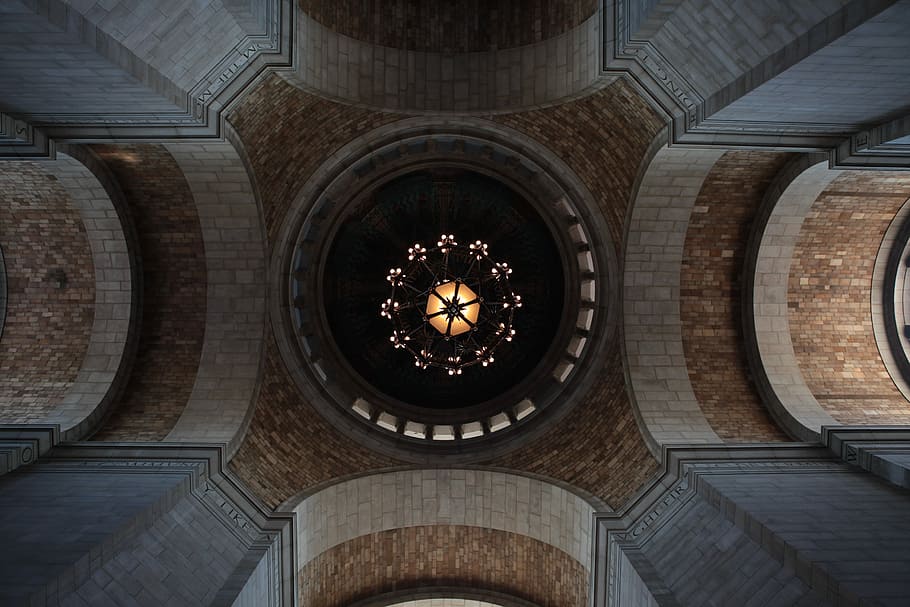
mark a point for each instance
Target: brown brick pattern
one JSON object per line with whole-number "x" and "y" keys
{"x": 48, "y": 326}
{"x": 288, "y": 446}
{"x": 444, "y": 555}
{"x": 287, "y": 134}
{"x": 173, "y": 292}
{"x": 446, "y": 26}
{"x": 603, "y": 138}
{"x": 710, "y": 295}
{"x": 829, "y": 298}
{"x": 598, "y": 447}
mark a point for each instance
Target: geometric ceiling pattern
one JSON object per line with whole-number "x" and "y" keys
{"x": 706, "y": 208}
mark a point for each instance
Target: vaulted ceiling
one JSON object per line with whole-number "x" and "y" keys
{"x": 170, "y": 172}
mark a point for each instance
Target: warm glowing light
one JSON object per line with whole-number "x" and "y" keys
{"x": 452, "y": 308}
{"x": 441, "y": 320}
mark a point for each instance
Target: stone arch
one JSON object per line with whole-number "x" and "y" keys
{"x": 2, "y": 292}
{"x": 772, "y": 357}
{"x": 830, "y": 297}
{"x": 815, "y": 273}
{"x": 393, "y": 68}
{"x": 105, "y": 359}
{"x": 444, "y": 597}
{"x": 226, "y": 383}
{"x": 889, "y": 300}
{"x": 492, "y": 510}
{"x": 658, "y": 380}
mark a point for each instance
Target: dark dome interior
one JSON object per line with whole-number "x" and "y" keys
{"x": 418, "y": 207}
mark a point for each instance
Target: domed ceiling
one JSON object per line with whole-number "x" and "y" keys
{"x": 417, "y": 208}
{"x": 323, "y": 186}
{"x": 314, "y": 142}
{"x": 402, "y": 189}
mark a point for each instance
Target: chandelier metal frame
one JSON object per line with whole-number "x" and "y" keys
{"x": 408, "y": 307}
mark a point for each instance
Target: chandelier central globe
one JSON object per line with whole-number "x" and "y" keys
{"x": 452, "y": 306}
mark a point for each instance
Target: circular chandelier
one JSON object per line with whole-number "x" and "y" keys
{"x": 452, "y": 306}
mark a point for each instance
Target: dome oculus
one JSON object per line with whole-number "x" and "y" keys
{"x": 373, "y": 234}
{"x": 452, "y": 306}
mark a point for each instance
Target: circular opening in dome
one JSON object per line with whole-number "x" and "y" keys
{"x": 417, "y": 208}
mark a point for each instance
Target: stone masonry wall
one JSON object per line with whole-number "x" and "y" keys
{"x": 829, "y": 298}
{"x": 437, "y": 496}
{"x": 48, "y": 324}
{"x": 183, "y": 558}
{"x": 803, "y": 93}
{"x": 173, "y": 292}
{"x": 710, "y": 291}
{"x": 284, "y": 133}
{"x": 598, "y": 447}
{"x": 457, "y": 27}
{"x": 743, "y": 34}
{"x": 844, "y": 533}
{"x": 652, "y": 331}
{"x": 360, "y": 72}
{"x": 289, "y": 445}
{"x": 47, "y": 68}
{"x": 603, "y": 138}
{"x": 449, "y": 555}
{"x": 703, "y": 558}
{"x": 72, "y": 518}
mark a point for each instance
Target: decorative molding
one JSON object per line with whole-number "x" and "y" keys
{"x": 871, "y": 148}
{"x": 688, "y": 111}
{"x": 211, "y": 483}
{"x": 226, "y": 509}
{"x": 653, "y": 76}
{"x": 21, "y": 445}
{"x": 222, "y": 80}
{"x": 657, "y": 504}
{"x": 19, "y": 139}
{"x": 206, "y": 103}
{"x": 881, "y": 450}
{"x": 226, "y": 70}
{"x": 671, "y": 501}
